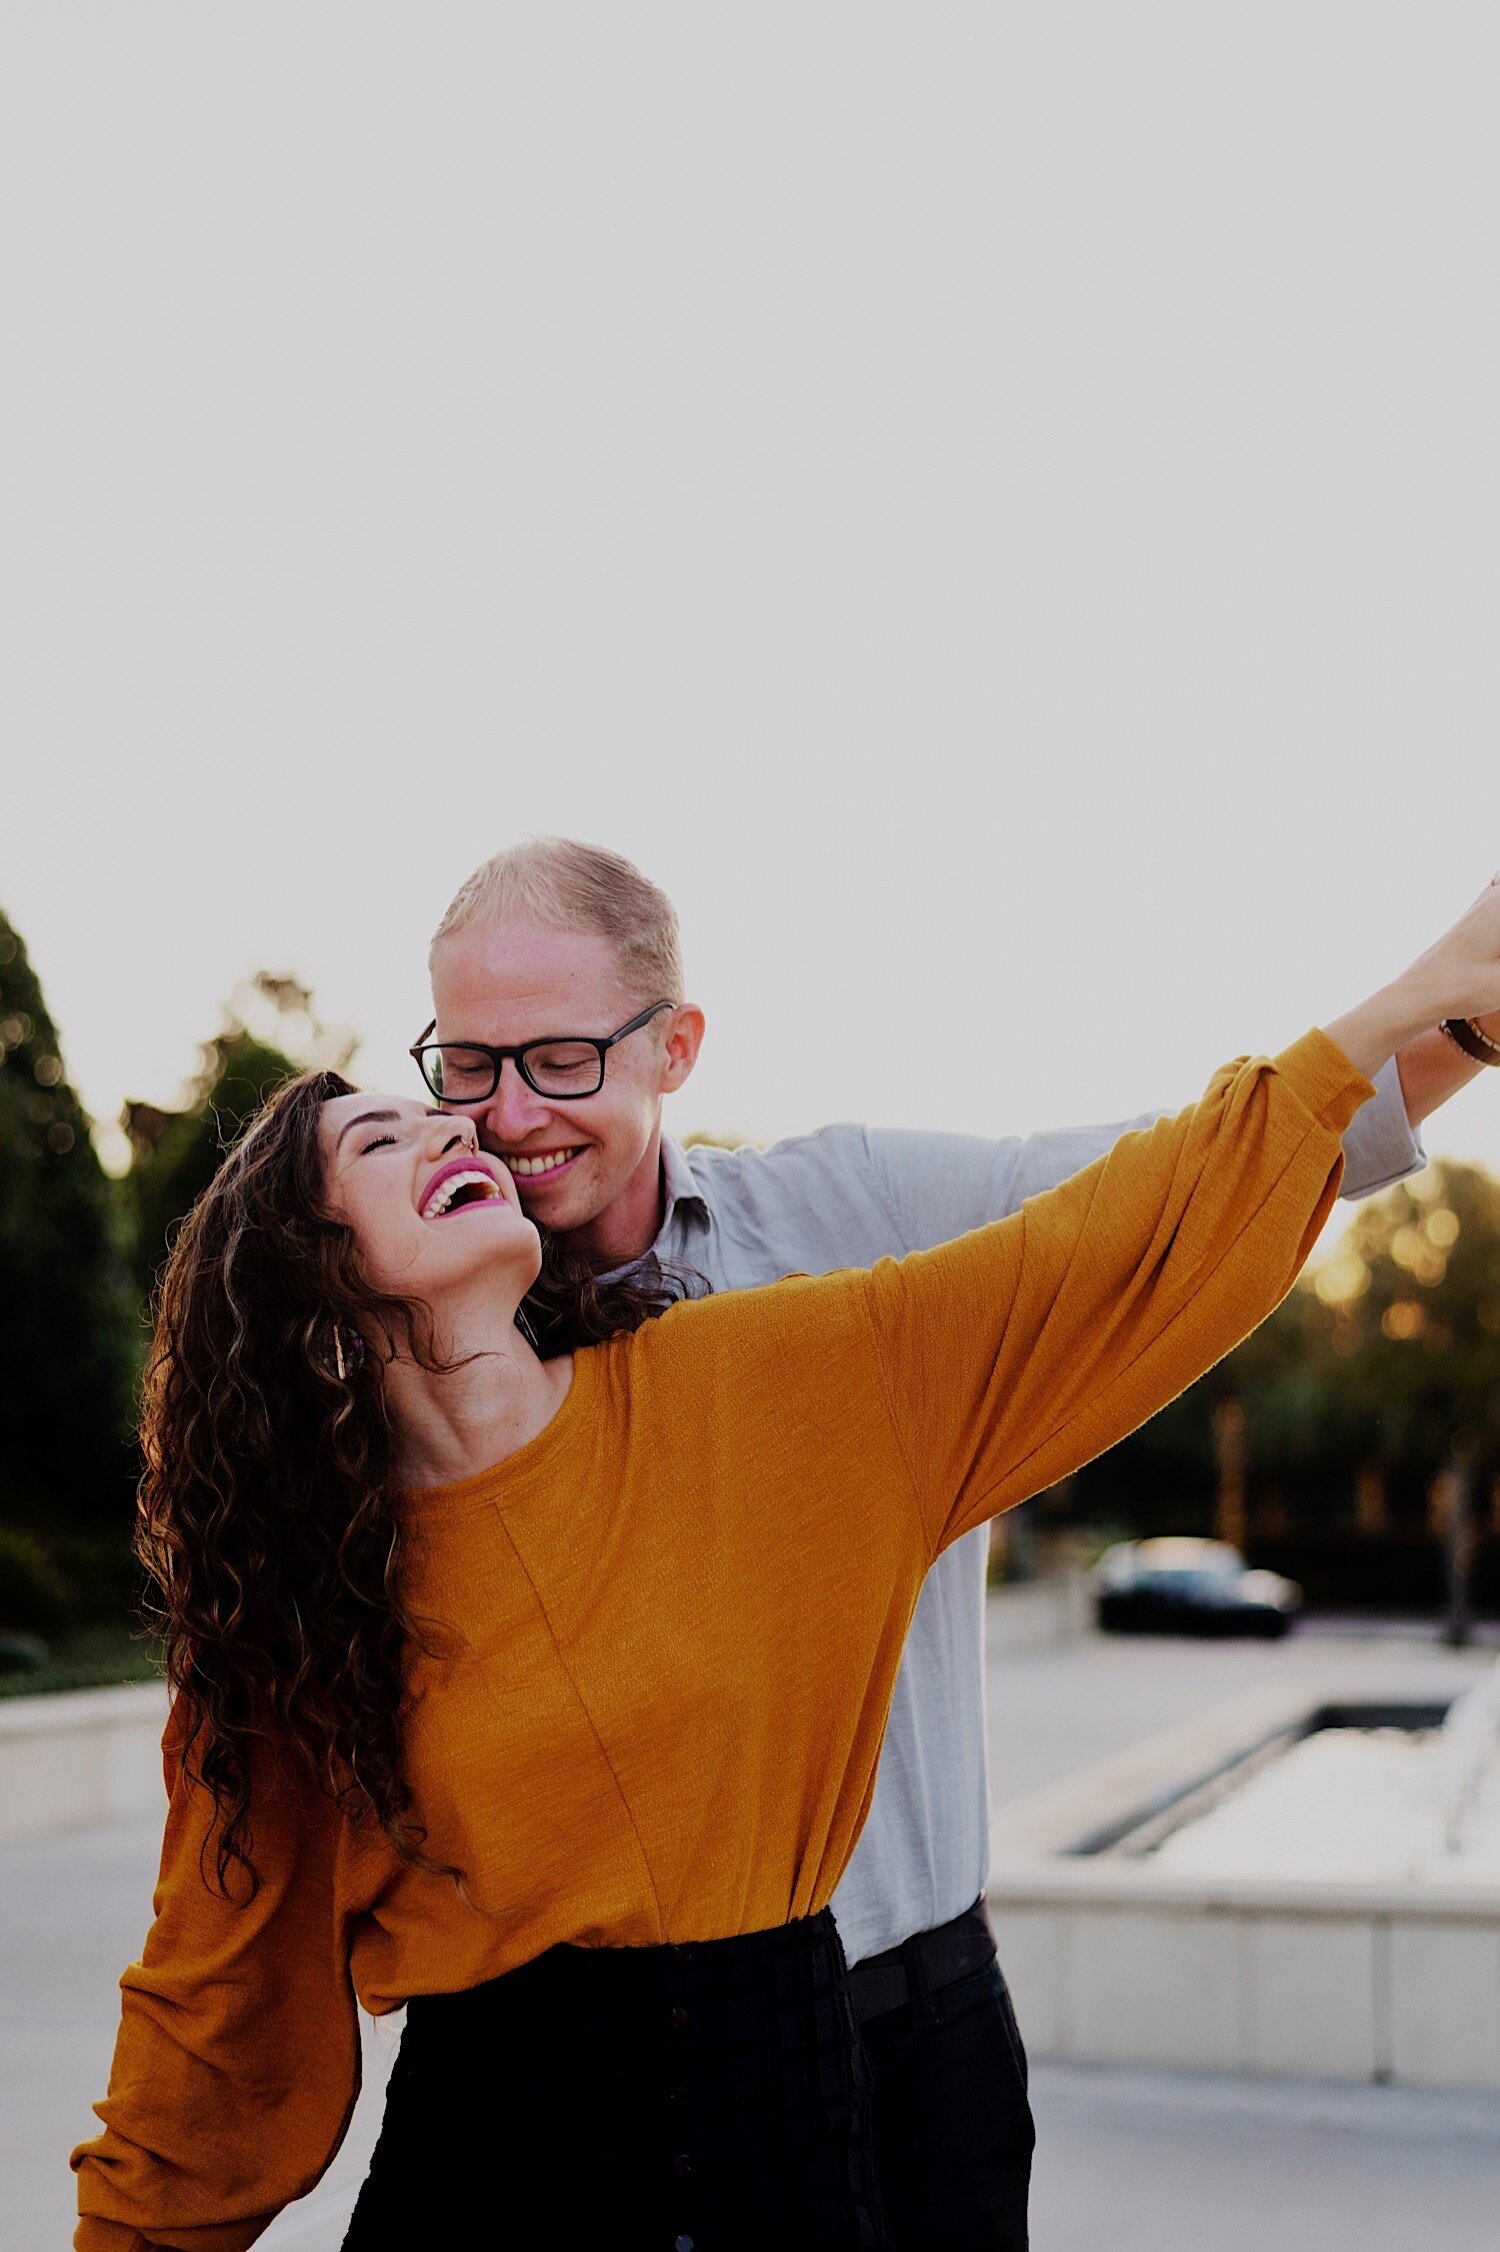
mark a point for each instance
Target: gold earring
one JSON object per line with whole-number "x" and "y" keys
{"x": 346, "y": 1356}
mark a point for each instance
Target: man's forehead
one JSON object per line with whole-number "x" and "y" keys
{"x": 509, "y": 980}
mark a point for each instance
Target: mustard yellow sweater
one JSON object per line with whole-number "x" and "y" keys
{"x": 679, "y": 1614}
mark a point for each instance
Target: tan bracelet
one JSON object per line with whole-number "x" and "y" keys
{"x": 1476, "y": 1045}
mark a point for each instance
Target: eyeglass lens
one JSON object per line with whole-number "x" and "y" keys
{"x": 560, "y": 1067}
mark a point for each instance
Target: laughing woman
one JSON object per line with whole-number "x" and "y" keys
{"x": 543, "y": 1696}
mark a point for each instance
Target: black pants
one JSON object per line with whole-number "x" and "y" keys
{"x": 953, "y": 2126}
{"x": 711, "y": 2098}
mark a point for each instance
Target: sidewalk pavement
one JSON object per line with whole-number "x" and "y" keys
{"x": 1126, "y": 2161}
{"x": 1137, "y": 2161}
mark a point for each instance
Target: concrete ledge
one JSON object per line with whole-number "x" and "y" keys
{"x": 1097, "y": 1803}
{"x": 1323, "y": 1992}
{"x": 1113, "y": 1960}
{"x": 90, "y": 1756}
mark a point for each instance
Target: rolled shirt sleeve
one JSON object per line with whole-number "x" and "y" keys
{"x": 1381, "y": 1146}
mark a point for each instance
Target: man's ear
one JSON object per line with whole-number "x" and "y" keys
{"x": 684, "y": 1038}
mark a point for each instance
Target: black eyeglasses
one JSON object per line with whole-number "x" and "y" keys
{"x": 564, "y": 1070}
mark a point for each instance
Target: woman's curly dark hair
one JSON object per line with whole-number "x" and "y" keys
{"x": 269, "y": 1517}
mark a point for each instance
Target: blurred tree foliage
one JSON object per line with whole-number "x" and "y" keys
{"x": 78, "y": 1255}
{"x": 269, "y": 1033}
{"x": 69, "y": 1338}
{"x": 1357, "y": 1388}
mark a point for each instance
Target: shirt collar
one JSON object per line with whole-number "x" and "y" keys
{"x": 680, "y": 1185}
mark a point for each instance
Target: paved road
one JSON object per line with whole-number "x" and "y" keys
{"x": 1127, "y": 2160}
{"x": 1171, "y": 2162}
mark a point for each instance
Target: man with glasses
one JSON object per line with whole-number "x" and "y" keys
{"x": 459, "y": 1073}
{"x": 560, "y": 1026}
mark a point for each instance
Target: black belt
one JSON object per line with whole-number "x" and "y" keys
{"x": 923, "y": 1965}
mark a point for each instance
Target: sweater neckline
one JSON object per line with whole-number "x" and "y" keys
{"x": 507, "y": 1480}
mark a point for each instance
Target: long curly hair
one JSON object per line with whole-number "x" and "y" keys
{"x": 269, "y": 1518}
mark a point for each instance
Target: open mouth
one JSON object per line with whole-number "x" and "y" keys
{"x": 536, "y": 1168}
{"x": 456, "y": 1188}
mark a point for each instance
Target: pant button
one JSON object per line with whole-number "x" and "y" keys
{"x": 682, "y": 2244}
{"x": 682, "y": 2164}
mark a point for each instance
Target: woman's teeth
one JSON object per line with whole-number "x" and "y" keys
{"x": 454, "y": 1186}
{"x": 528, "y": 1167}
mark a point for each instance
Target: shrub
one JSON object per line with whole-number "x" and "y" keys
{"x": 33, "y": 1592}
{"x": 69, "y": 1336}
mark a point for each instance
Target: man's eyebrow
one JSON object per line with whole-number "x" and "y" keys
{"x": 377, "y": 1118}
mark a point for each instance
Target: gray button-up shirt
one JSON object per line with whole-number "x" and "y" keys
{"x": 846, "y": 1197}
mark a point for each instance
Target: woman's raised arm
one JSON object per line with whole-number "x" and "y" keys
{"x": 1021, "y": 1352}
{"x": 1015, "y": 1354}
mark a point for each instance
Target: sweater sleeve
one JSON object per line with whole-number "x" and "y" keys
{"x": 1015, "y": 1354}
{"x": 237, "y": 2061}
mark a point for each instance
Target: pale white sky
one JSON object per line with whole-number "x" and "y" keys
{"x": 996, "y": 508}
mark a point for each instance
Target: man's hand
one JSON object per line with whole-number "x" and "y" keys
{"x": 1433, "y": 1068}
{"x": 1457, "y": 977}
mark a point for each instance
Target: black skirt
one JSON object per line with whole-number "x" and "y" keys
{"x": 710, "y": 2098}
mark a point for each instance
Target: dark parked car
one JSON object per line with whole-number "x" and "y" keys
{"x": 1189, "y": 1587}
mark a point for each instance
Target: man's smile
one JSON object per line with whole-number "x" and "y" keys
{"x": 539, "y": 1162}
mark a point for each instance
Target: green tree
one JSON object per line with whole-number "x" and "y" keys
{"x": 68, "y": 1335}
{"x": 1376, "y": 1363}
{"x": 270, "y": 1032}
{"x": 1392, "y": 1350}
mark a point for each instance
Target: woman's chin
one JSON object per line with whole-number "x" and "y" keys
{"x": 496, "y": 1240}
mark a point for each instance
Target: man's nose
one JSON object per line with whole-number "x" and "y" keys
{"x": 513, "y": 1111}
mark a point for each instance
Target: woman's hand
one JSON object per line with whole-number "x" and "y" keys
{"x": 1458, "y": 977}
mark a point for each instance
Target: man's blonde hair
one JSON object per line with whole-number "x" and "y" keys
{"x": 567, "y": 886}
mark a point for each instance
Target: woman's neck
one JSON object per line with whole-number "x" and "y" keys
{"x": 494, "y": 1396}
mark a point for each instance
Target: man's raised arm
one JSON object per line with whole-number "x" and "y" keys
{"x": 938, "y": 1186}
